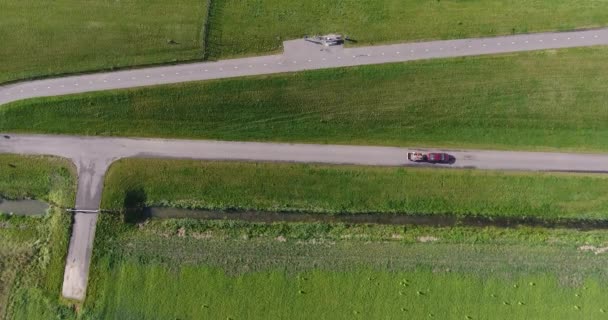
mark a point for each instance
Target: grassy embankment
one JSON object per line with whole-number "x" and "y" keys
{"x": 352, "y": 189}
{"x": 33, "y": 177}
{"x": 32, "y": 253}
{"x": 47, "y": 38}
{"x": 231, "y": 270}
{"x": 249, "y": 27}
{"x": 534, "y": 100}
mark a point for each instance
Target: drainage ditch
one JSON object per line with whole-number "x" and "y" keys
{"x": 24, "y": 207}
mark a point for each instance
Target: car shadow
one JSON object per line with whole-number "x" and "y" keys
{"x": 349, "y": 39}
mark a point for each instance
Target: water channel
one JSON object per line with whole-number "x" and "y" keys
{"x": 24, "y": 207}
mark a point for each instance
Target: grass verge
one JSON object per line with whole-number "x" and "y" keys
{"x": 38, "y": 40}
{"x": 32, "y": 254}
{"x": 45, "y": 178}
{"x": 33, "y": 259}
{"x": 352, "y": 189}
{"x": 227, "y": 269}
{"x": 534, "y": 100}
{"x": 249, "y": 27}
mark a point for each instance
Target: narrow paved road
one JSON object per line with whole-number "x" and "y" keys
{"x": 301, "y": 55}
{"x": 93, "y": 155}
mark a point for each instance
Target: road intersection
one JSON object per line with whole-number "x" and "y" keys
{"x": 93, "y": 155}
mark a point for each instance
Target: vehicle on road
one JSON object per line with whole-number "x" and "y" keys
{"x": 326, "y": 40}
{"x": 416, "y": 156}
{"x": 438, "y": 157}
{"x": 433, "y": 157}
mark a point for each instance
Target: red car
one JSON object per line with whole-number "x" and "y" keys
{"x": 438, "y": 157}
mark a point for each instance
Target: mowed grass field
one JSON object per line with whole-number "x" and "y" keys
{"x": 221, "y": 270}
{"x": 352, "y": 189}
{"x": 42, "y": 38}
{"x": 534, "y": 100}
{"x": 136, "y": 291}
{"x": 45, "y": 178}
{"x": 249, "y": 27}
{"x": 32, "y": 250}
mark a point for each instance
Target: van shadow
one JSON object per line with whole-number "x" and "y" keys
{"x": 134, "y": 203}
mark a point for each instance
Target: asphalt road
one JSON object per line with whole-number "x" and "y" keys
{"x": 91, "y": 171}
{"x": 93, "y": 155}
{"x": 301, "y": 55}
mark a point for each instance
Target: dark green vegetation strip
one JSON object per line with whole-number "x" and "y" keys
{"x": 225, "y": 269}
{"x": 32, "y": 250}
{"x": 45, "y": 38}
{"x": 32, "y": 261}
{"x": 351, "y": 189}
{"x": 537, "y": 100}
{"x": 37, "y": 177}
{"x": 247, "y": 27}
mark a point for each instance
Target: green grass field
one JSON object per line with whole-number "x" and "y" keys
{"x": 230, "y": 270}
{"x": 136, "y": 291}
{"x": 65, "y": 36}
{"x": 32, "y": 261}
{"x": 535, "y": 100}
{"x": 33, "y": 249}
{"x": 37, "y": 177}
{"x": 249, "y": 27}
{"x": 15, "y": 252}
{"x": 352, "y": 189}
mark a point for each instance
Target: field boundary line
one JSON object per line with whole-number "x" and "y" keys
{"x": 206, "y": 27}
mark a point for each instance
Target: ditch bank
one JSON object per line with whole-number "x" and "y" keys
{"x": 134, "y": 215}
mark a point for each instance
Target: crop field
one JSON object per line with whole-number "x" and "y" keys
{"x": 227, "y": 269}
{"x": 535, "y": 100}
{"x": 42, "y": 38}
{"x": 250, "y": 27}
{"x": 32, "y": 250}
{"x": 352, "y": 189}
